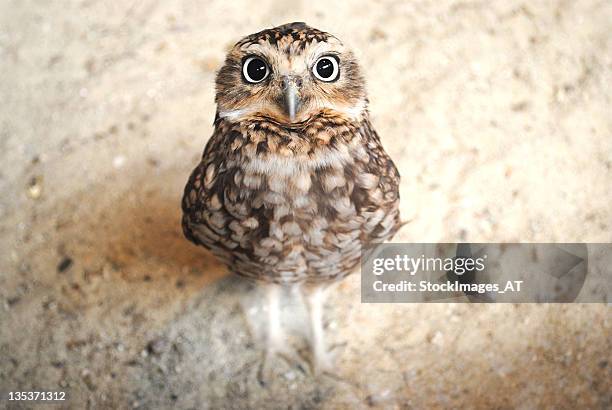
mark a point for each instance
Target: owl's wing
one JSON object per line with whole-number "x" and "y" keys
{"x": 193, "y": 191}
{"x": 217, "y": 210}
{"x": 378, "y": 202}
{"x": 201, "y": 197}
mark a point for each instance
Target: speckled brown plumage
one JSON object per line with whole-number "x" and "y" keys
{"x": 291, "y": 201}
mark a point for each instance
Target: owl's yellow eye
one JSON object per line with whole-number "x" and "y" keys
{"x": 254, "y": 70}
{"x": 326, "y": 69}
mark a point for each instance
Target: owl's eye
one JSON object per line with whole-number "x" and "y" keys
{"x": 254, "y": 70}
{"x": 326, "y": 69}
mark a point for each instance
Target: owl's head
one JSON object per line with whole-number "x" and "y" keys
{"x": 289, "y": 74}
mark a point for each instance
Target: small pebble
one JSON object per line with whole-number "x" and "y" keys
{"x": 13, "y": 300}
{"x": 157, "y": 346}
{"x": 64, "y": 264}
{"x": 118, "y": 161}
{"x": 437, "y": 339}
{"x": 88, "y": 379}
{"x": 35, "y": 187}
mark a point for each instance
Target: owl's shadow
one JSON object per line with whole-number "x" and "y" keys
{"x": 138, "y": 236}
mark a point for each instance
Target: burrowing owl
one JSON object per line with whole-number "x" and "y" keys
{"x": 294, "y": 180}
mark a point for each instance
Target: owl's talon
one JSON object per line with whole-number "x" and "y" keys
{"x": 323, "y": 363}
{"x": 283, "y": 351}
{"x": 269, "y": 362}
{"x": 264, "y": 373}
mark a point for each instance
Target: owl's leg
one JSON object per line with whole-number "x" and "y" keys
{"x": 277, "y": 344}
{"x": 275, "y": 341}
{"x": 274, "y": 337}
{"x": 321, "y": 358}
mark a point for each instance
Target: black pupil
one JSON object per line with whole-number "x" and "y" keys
{"x": 325, "y": 68}
{"x": 256, "y": 69}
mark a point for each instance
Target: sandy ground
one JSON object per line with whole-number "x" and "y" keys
{"x": 498, "y": 115}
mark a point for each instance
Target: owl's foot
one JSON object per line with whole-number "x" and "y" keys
{"x": 323, "y": 361}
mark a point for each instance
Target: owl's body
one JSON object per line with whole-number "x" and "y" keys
{"x": 290, "y": 205}
{"x": 294, "y": 181}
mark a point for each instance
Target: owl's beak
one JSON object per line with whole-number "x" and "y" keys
{"x": 291, "y": 93}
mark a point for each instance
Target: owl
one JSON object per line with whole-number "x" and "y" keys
{"x": 294, "y": 181}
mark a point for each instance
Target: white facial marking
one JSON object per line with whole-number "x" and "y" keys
{"x": 354, "y": 112}
{"x": 280, "y": 165}
{"x": 235, "y": 114}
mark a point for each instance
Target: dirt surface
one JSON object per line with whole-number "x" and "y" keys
{"x": 498, "y": 117}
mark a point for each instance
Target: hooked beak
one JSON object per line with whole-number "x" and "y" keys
{"x": 292, "y": 99}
